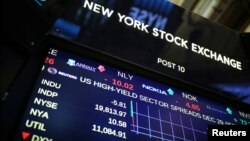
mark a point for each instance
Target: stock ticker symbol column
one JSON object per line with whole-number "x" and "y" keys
{"x": 43, "y": 103}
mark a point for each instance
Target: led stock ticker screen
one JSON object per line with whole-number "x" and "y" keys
{"x": 76, "y": 98}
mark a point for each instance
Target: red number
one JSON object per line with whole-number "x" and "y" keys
{"x": 193, "y": 106}
{"x": 50, "y": 61}
{"x": 121, "y": 84}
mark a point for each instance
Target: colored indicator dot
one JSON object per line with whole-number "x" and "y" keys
{"x": 235, "y": 119}
{"x": 229, "y": 111}
{"x": 25, "y": 135}
{"x": 170, "y": 91}
{"x": 101, "y": 68}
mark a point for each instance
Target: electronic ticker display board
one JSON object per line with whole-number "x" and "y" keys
{"x": 80, "y": 98}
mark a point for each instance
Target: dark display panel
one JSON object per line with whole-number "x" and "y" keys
{"x": 77, "y": 98}
{"x": 195, "y": 53}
